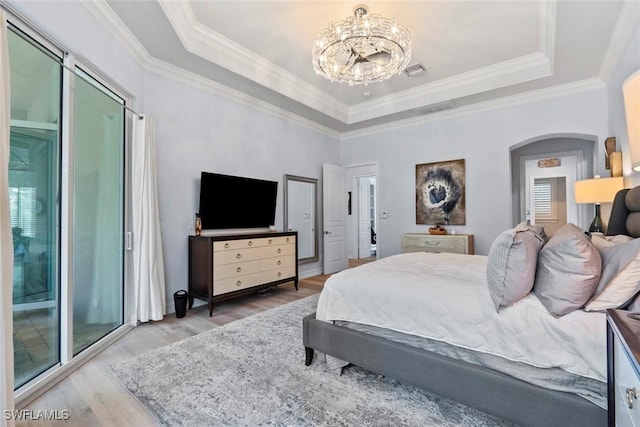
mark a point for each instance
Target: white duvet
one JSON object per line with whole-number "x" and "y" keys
{"x": 445, "y": 297}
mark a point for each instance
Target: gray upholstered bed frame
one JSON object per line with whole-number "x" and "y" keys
{"x": 485, "y": 389}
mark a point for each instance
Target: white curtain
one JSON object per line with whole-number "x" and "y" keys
{"x": 148, "y": 264}
{"x": 6, "y": 242}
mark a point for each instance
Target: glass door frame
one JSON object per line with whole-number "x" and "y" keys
{"x": 67, "y": 361}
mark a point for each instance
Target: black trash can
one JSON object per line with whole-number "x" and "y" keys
{"x": 180, "y": 301}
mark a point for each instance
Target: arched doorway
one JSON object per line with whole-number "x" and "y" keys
{"x": 543, "y": 172}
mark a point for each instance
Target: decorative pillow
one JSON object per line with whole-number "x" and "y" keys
{"x": 511, "y": 265}
{"x": 635, "y": 304}
{"x": 600, "y": 241}
{"x": 569, "y": 268}
{"x": 620, "y": 280}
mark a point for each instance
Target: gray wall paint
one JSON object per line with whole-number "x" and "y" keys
{"x": 484, "y": 139}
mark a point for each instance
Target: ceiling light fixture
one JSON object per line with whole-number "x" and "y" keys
{"x": 362, "y": 49}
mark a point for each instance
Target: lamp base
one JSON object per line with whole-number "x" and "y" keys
{"x": 596, "y": 225}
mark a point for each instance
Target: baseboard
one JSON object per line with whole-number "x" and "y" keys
{"x": 310, "y": 273}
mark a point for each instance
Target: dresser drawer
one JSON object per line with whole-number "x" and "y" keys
{"x": 276, "y": 262}
{"x": 277, "y": 251}
{"x": 434, "y": 243}
{"x": 225, "y": 271}
{"x": 281, "y": 273}
{"x": 627, "y": 385}
{"x": 236, "y": 283}
{"x": 235, "y": 256}
{"x": 230, "y": 245}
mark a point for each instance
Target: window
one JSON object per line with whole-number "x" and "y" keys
{"x": 543, "y": 196}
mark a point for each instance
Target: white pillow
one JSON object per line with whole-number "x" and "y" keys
{"x": 620, "y": 280}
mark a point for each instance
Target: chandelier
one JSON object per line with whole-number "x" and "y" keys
{"x": 362, "y": 49}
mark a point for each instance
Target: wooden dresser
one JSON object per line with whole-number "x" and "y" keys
{"x": 222, "y": 267}
{"x": 623, "y": 369}
{"x": 424, "y": 242}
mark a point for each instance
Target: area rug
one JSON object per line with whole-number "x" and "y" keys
{"x": 251, "y": 372}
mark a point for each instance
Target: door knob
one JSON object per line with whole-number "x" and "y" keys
{"x": 327, "y": 232}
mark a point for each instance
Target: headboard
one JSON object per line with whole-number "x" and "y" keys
{"x": 625, "y": 213}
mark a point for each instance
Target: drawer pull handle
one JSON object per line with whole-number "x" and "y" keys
{"x": 239, "y": 283}
{"x": 226, "y": 245}
{"x": 279, "y": 274}
{"x": 287, "y": 240}
{"x": 239, "y": 256}
{"x": 631, "y": 396}
{"x": 279, "y": 262}
{"x": 239, "y": 269}
{"x": 428, "y": 243}
{"x": 279, "y": 250}
{"x": 270, "y": 241}
{"x": 250, "y": 243}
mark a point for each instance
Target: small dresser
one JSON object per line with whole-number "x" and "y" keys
{"x": 222, "y": 267}
{"x": 623, "y": 369}
{"x": 424, "y": 242}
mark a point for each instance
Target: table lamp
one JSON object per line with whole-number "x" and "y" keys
{"x": 597, "y": 190}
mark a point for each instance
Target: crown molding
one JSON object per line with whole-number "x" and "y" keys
{"x": 627, "y": 22}
{"x": 101, "y": 10}
{"x": 171, "y": 71}
{"x": 507, "y": 73}
{"x": 202, "y": 41}
{"x": 504, "y": 102}
{"x": 112, "y": 22}
{"x": 517, "y": 70}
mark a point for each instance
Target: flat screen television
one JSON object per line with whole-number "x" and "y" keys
{"x": 236, "y": 202}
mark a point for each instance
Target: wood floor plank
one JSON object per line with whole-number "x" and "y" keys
{"x": 96, "y": 398}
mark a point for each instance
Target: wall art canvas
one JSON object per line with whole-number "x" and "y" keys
{"x": 440, "y": 191}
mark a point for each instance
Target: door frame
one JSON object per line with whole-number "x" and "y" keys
{"x": 581, "y": 213}
{"x": 353, "y": 173}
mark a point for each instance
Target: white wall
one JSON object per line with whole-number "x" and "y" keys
{"x": 484, "y": 140}
{"x": 201, "y": 131}
{"x": 629, "y": 64}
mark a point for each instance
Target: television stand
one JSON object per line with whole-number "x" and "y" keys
{"x": 228, "y": 266}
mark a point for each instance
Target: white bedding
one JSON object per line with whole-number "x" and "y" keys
{"x": 445, "y": 297}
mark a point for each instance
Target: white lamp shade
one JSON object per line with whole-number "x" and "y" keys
{"x": 598, "y": 190}
{"x": 631, "y": 91}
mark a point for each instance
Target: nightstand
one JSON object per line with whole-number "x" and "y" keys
{"x": 623, "y": 369}
{"x": 424, "y": 242}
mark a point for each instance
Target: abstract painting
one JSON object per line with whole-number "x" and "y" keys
{"x": 440, "y": 190}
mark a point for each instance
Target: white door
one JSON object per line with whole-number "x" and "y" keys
{"x": 364, "y": 217}
{"x": 333, "y": 215}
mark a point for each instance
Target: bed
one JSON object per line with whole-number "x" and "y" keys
{"x": 444, "y": 340}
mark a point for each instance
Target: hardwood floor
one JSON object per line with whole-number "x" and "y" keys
{"x": 95, "y": 398}
{"x": 93, "y": 395}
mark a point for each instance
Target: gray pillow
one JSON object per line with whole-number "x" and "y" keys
{"x": 511, "y": 265}
{"x": 568, "y": 271}
{"x": 620, "y": 279}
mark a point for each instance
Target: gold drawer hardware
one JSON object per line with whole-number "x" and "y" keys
{"x": 279, "y": 250}
{"x": 631, "y": 396}
{"x": 287, "y": 240}
{"x": 279, "y": 262}
{"x": 270, "y": 241}
{"x": 239, "y": 283}
{"x": 239, "y": 269}
{"x": 239, "y": 256}
{"x": 279, "y": 274}
{"x": 226, "y": 245}
{"x": 250, "y": 243}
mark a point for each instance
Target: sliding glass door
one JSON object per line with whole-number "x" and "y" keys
{"x": 67, "y": 222}
{"x": 34, "y": 188}
{"x": 98, "y": 221}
